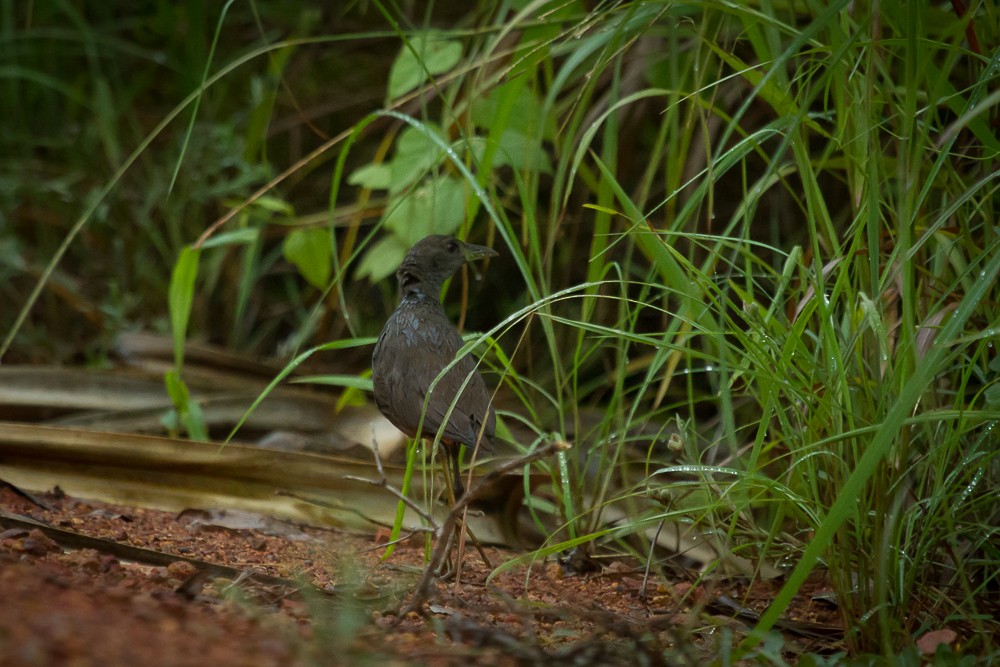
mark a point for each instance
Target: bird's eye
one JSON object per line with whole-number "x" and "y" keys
{"x": 452, "y": 247}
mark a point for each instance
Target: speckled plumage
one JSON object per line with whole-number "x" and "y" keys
{"x": 418, "y": 342}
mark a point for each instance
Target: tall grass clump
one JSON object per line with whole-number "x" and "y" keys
{"x": 777, "y": 227}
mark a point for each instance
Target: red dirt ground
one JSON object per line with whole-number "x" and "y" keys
{"x": 79, "y": 606}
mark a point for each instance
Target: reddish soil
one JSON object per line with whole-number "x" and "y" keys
{"x": 81, "y": 606}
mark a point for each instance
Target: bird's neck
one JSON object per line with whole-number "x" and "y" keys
{"x": 418, "y": 289}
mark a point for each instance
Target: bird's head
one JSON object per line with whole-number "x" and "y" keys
{"x": 434, "y": 259}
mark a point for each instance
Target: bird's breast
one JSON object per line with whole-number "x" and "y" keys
{"x": 420, "y": 325}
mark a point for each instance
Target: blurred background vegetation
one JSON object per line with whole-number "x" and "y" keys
{"x": 748, "y": 250}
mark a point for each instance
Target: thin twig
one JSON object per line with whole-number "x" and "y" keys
{"x": 383, "y": 482}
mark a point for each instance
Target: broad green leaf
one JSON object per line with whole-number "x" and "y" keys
{"x": 415, "y": 154}
{"x": 426, "y": 55}
{"x": 372, "y": 176}
{"x": 381, "y": 259}
{"x": 474, "y": 147}
{"x": 521, "y": 152}
{"x": 309, "y": 251}
{"x": 436, "y": 206}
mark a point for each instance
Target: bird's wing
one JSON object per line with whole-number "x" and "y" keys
{"x": 411, "y": 352}
{"x": 465, "y": 423}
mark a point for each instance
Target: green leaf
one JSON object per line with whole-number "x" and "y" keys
{"x": 603, "y": 209}
{"x": 274, "y": 205}
{"x": 189, "y": 412}
{"x": 426, "y": 55}
{"x": 521, "y": 152}
{"x": 245, "y": 236}
{"x": 372, "y": 176}
{"x": 180, "y": 298}
{"x": 381, "y": 259}
{"x": 309, "y": 251}
{"x": 525, "y": 115}
{"x": 992, "y": 395}
{"x": 176, "y": 389}
{"x": 415, "y": 154}
{"x": 436, "y": 206}
{"x": 194, "y": 422}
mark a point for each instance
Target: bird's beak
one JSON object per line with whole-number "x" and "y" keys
{"x": 473, "y": 252}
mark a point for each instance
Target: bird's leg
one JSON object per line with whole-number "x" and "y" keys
{"x": 446, "y": 570}
{"x": 426, "y": 585}
{"x": 454, "y": 453}
{"x": 458, "y": 490}
{"x": 458, "y": 551}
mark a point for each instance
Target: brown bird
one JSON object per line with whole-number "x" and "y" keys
{"x": 417, "y": 343}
